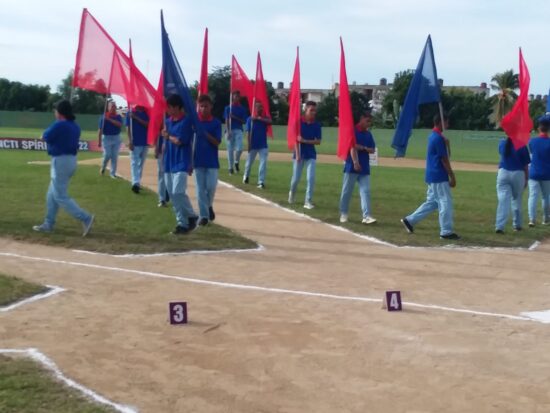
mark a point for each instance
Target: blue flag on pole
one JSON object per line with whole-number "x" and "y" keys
{"x": 174, "y": 80}
{"x": 424, "y": 88}
{"x": 548, "y": 103}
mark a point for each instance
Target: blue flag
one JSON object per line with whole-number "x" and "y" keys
{"x": 424, "y": 88}
{"x": 174, "y": 80}
{"x": 548, "y": 103}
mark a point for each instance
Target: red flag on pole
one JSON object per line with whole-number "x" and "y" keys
{"x": 260, "y": 93}
{"x": 346, "y": 132}
{"x": 240, "y": 82}
{"x": 517, "y": 123}
{"x": 156, "y": 116}
{"x": 295, "y": 105}
{"x": 203, "y": 82}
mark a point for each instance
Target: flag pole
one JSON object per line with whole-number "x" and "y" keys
{"x": 129, "y": 110}
{"x": 441, "y": 115}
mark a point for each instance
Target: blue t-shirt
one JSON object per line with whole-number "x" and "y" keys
{"x": 258, "y": 136}
{"x": 206, "y": 154}
{"x": 238, "y": 111}
{"x": 435, "y": 172}
{"x": 363, "y": 138}
{"x": 515, "y": 160}
{"x": 540, "y": 158}
{"x": 177, "y": 158}
{"x": 62, "y": 138}
{"x": 310, "y": 132}
{"x": 108, "y": 127}
{"x": 139, "y": 132}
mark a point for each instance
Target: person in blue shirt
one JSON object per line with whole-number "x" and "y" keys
{"x": 109, "y": 137}
{"x": 62, "y": 142}
{"x": 178, "y": 135}
{"x": 137, "y": 122}
{"x": 305, "y": 154}
{"x": 357, "y": 169}
{"x": 512, "y": 179}
{"x": 235, "y": 116}
{"x": 440, "y": 179}
{"x": 539, "y": 172}
{"x": 206, "y": 160}
{"x": 256, "y": 127}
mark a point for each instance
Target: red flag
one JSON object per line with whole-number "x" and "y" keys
{"x": 156, "y": 116}
{"x": 203, "y": 82}
{"x": 346, "y": 130}
{"x": 517, "y": 123}
{"x": 260, "y": 93}
{"x": 295, "y": 106}
{"x": 240, "y": 82}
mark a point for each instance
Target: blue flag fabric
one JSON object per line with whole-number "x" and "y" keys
{"x": 424, "y": 88}
{"x": 174, "y": 80}
{"x": 548, "y": 104}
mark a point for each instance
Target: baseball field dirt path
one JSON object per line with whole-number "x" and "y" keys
{"x": 279, "y": 348}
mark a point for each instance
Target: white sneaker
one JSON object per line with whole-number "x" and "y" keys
{"x": 290, "y": 198}
{"x": 87, "y": 226}
{"x": 41, "y": 228}
{"x": 343, "y": 218}
{"x": 368, "y": 220}
{"x": 309, "y": 205}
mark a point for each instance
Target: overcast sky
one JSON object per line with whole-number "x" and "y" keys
{"x": 472, "y": 39}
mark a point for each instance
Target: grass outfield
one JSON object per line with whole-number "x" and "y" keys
{"x": 467, "y": 146}
{"x": 125, "y": 222}
{"x": 395, "y": 193}
{"x": 13, "y": 289}
{"x": 26, "y": 387}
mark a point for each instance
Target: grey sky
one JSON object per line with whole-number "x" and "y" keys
{"x": 473, "y": 39}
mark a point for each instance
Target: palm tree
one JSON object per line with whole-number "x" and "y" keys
{"x": 505, "y": 83}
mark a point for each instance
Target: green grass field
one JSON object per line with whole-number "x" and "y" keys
{"x": 395, "y": 193}
{"x": 25, "y": 387}
{"x": 13, "y": 289}
{"x": 125, "y": 222}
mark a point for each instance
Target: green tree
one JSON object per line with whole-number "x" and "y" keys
{"x": 359, "y": 104}
{"x": 537, "y": 108}
{"x": 396, "y": 96}
{"x": 327, "y": 110}
{"x": 505, "y": 84}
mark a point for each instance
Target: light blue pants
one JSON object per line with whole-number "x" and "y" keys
{"x": 61, "y": 170}
{"x": 160, "y": 179}
{"x": 297, "y": 168}
{"x": 439, "y": 198}
{"x": 137, "y": 162}
{"x": 234, "y": 147}
{"x": 263, "y": 163}
{"x": 176, "y": 183}
{"x": 111, "y": 148}
{"x": 347, "y": 190}
{"x": 510, "y": 186}
{"x": 536, "y": 188}
{"x": 206, "y": 180}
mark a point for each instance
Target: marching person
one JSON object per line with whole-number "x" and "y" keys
{"x": 234, "y": 116}
{"x": 256, "y": 127}
{"x": 539, "y": 173}
{"x": 137, "y": 122}
{"x": 109, "y": 137}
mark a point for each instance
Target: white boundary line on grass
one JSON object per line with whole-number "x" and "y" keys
{"x": 52, "y": 291}
{"x": 36, "y": 355}
{"x": 368, "y": 237}
{"x": 259, "y": 248}
{"x": 268, "y": 289}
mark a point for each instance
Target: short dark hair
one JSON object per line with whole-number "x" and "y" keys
{"x": 236, "y": 93}
{"x": 65, "y": 109}
{"x": 311, "y": 103}
{"x": 363, "y": 114}
{"x": 175, "y": 101}
{"x": 437, "y": 118}
{"x": 205, "y": 98}
{"x": 544, "y": 126}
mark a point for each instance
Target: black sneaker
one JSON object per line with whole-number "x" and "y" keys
{"x": 237, "y": 167}
{"x": 407, "y": 225}
{"x": 245, "y": 179}
{"x": 192, "y": 223}
{"x": 211, "y": 215}
{"x": 261, "y": 185}
{"x": 451, "y": 236}
{"x": 518, "y": 229}
{"x": 179, "y": 230}
{"x": 231, "y": 172}
{"x": 135, "y": 188}
{"x": 202, "y": 222}
{"x": 499, "y": 231}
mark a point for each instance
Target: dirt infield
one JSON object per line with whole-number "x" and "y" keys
{"x": 265, "y": 350}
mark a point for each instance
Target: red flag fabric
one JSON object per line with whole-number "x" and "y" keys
{"x": 240, "y": 82}
{"x": 203, "y": 82}
{"x": 156, "y": 115}
{"x": 260, "y": 93}
{"x": 295, "y": 106}
{"x": 517, "y": 123}
{"x": 346, "y": 130}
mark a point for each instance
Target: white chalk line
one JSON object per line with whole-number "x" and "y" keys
{"x": 41, "y": 358}
{"x": 52, "y": 290}
{"x": 368, "y": 237}
{"x": 259, "y": 248}
{"x": 266, "y": 289}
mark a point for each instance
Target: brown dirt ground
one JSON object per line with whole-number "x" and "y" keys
{"x": 251, "y": 351}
